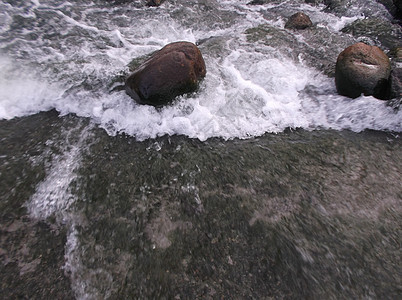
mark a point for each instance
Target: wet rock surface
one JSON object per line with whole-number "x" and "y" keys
{"x": 32, "y": 258}
{"x": 31, "y": 251}
{"x": 298, "y": 21}
{"x": 363, "y": 69}
{"x": 380, "y": 32}
{"x": 174, "y": 70}
{"x": 320, "y": 53}
{"x": 176, "y": 217}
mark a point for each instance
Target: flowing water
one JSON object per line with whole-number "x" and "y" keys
{"x": 262, "y": 184}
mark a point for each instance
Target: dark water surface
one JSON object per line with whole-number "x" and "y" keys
{"x": 264, "y": 184}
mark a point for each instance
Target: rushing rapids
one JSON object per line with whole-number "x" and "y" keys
{"x": 261, "y": 77}
{"x": 263, "y": 183}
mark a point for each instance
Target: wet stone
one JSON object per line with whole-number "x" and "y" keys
{"x": 174, "y": 70}
{"x": 176, "y": 217}
{"x": 363, "y": 69}
{"x": 298, "y": 21}
{"x": 31, "y": 251}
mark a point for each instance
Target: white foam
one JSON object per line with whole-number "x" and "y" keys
{"x": 336, "y": 24}
{"x": 253, "y": 89}
{"x": 21, "y": 93}
{"x": 240, "y": 99}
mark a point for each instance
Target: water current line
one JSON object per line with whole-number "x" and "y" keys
{"x": 54, "y": 197}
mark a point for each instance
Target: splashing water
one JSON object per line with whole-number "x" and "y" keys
{"x": 70, "y": 61}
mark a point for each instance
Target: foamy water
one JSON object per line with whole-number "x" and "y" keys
{"x": 250, "y": 88}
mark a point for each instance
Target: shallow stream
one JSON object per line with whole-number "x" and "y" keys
{"x": 265, "y": 183}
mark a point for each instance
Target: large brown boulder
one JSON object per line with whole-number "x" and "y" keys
{"x": 174, "y": 70}
{"x": 363, "y": 69}
{"x": 298, "y": 21}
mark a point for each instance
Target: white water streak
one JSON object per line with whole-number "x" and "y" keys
{"x": 53, "y": 195}
{"x": 80, "y": 275}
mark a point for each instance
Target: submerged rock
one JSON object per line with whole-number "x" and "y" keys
{"x": 378, "y": 30}
{"x": 363, "y": 69}
{"x": 298, "y": 21}
{"x": 174, "y": 70}
{"x": 319, "y": 52}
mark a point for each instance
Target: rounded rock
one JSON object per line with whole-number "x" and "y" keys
{"x": 363, "y": 69}
{"x": 298, "y": 21}
{"x": 174, "y": 70}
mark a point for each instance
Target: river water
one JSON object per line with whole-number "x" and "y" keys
{"x": 262, "y": 184}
